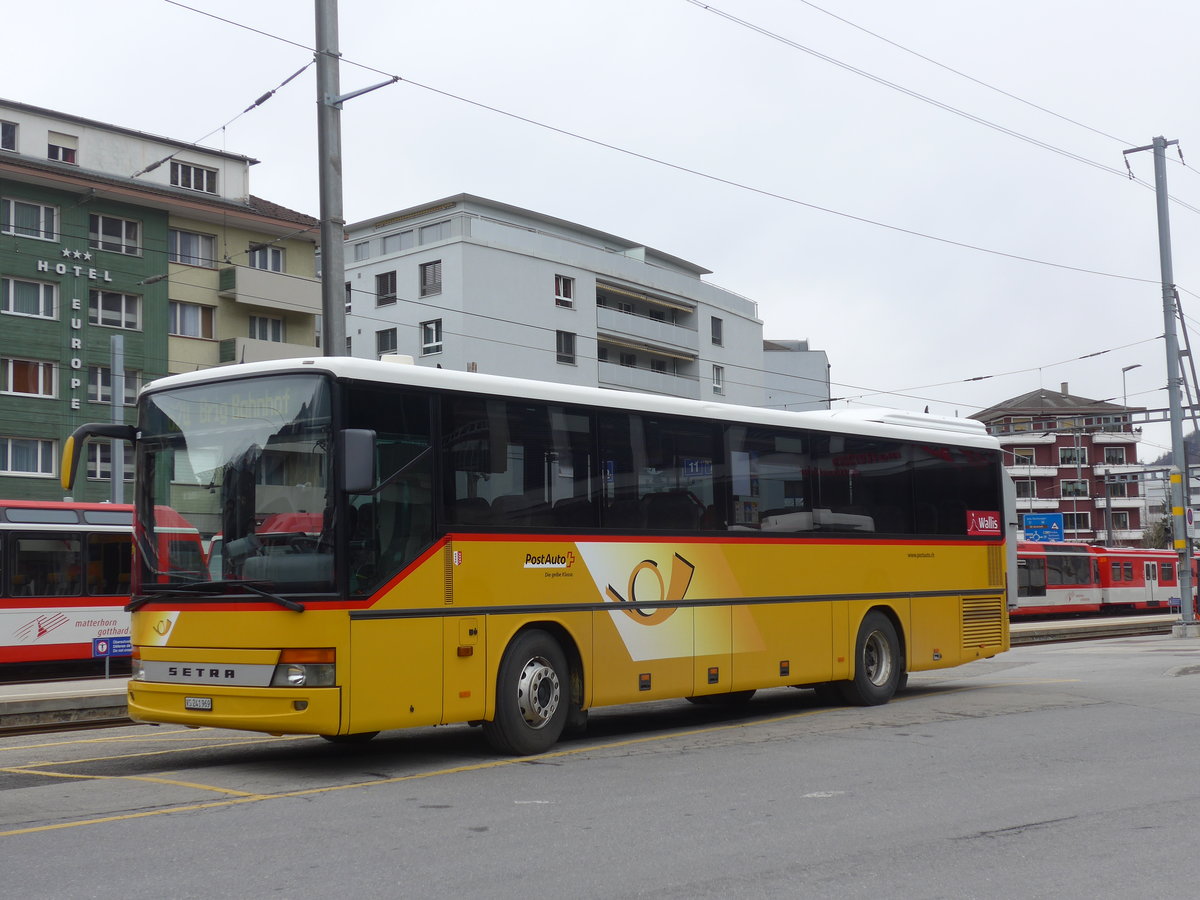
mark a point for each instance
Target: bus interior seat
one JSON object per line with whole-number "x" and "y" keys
{"x": 672, "y": 510}
{"x": 575, "y": 512}
{"x": 625, "y": 513}
{"x": 471, "y": 511}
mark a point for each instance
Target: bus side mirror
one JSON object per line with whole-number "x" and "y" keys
{"x": 356, "y": 450}
{"x": 73, "y": 448}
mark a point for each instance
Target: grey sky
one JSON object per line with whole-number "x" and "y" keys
{"x": 905, "y": 320}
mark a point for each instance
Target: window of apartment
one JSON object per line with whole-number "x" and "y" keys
{"x": 28, "y": 298}
{"x": 269, "y": 259}
{"x": 99, "y": 461}
{"x": 1117, "y": 489}
{"x": 1022, "y": 456}
{"x": 629, "y": 360}
{"x": 362, "y": 251}
{"x": 191, "y": 248}
{"x": 564, "y": 291}
{"x": 1026, "y": 489}
{"x": 1114, "y": 456}
{"x": 385, "y": 288}
{"x": 1073, "y": 488}
{"x": 602, "y": 354}
{"x": 625, "y": 306}
{"x": 718, "y": 328}
{"x": 431, "y": 278}
{"x": 62, "y": 147}
{"x": 27, "y": 456}
{"x": 266, "y": 328}
{"x": 438, "y": 231}
{"x": 26, "y": 219}
{"x": 385, "y": 342}
{"x": 349, "y": 296}
{"x": 1072, "y": 456}
{"x": 27, "y": 377}
{"x": 8, "y": 136}
{"x": 1077, "y": 521}
{"x": 190, "y": 320}
{"x": 115, "y": 234}
{"x": 718, "y": 379}
{"x": 100, "y": 385}
{"x": 395, "y": 243}
{"x": 431, "y": 337}
{"x": 115, "y": 309}
{"x": 566, "y": 347}
{"x": 194, "y": 178}
{"x": 658, "y": 365}
{"x": 348, "y": 353}
{"x": 1120, "y": 520}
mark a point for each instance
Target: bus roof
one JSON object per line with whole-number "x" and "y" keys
{"x": 874, "y": 422}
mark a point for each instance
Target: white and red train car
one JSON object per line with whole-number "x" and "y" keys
{"x": 1056, "y": 578}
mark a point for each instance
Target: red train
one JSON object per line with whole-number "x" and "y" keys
{"x": 1077, "y": 578}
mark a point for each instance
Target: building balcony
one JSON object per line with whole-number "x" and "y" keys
{"x": 1026, "y": 438}
{"x": 1032, "y": 471}
{"x": 1116, "y": 437}
{"x": 1025, "y": 504}
{"x": 275, "y": 290}
{"x": 240, "y": 350}
{"x": 631, "y": 378}
{"x": 1120, "y": 502}
{"x": 645, "y": 330}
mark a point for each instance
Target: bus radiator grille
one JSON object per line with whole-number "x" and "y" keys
{"x": 982, "y": 622}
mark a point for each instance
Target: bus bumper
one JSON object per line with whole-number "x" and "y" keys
{"x": 270, "y": 710}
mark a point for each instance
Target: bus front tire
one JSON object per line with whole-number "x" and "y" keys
{"x": 532, "y": 696}
{"x": 878, "y": 663}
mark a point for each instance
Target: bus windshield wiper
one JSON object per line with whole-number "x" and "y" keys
{"x": 192, "y": 589}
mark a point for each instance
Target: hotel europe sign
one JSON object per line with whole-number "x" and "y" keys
{"x": 76, "y": 319}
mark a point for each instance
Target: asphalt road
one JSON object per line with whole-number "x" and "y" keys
{"x": 1062, "y": 770}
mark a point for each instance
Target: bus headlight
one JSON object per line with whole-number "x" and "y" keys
{"x": 303, "y": 675}
{"x": 304, "y": 668}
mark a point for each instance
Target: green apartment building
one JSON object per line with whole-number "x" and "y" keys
{"x": 119, "y": 244}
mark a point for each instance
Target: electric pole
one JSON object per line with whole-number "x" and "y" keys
{"x": 1187, "y": 626}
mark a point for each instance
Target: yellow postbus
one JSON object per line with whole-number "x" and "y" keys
{"x": 406, "y": 546}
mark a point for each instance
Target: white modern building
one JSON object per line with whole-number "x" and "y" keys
{"x": 470, "y": 284}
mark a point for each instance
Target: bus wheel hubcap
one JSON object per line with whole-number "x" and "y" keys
{"x": 877, "y": 656}
{"x": 538, "y": 692}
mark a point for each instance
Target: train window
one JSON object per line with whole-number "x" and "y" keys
{"x": 45, "y": 565}
{"x": 1128, "y": 567}
{"x": 1031, "y": 578}
{"x": 1116, "y": 571}
{"x": 1068, "y": 570}
{"x": 1166, "y": 571}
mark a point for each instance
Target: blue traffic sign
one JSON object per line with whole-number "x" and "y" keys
{"x": 113, "y": 646}
{"x": 1043, "y": 527}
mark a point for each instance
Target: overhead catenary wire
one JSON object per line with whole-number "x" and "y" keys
{"x": 687, "y": 169}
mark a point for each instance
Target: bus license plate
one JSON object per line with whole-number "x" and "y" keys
{"x": 204, "y": 703}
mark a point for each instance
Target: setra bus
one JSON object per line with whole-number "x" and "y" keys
{"x": 65, "y": 577}
{"x": 496, "y": 551}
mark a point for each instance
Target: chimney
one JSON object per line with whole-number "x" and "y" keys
{"x": 1064, "y": 389}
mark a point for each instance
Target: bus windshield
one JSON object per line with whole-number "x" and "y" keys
{"x": 247, "y": 463}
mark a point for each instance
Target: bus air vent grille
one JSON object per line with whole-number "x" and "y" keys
{"x": 983, "y": 622}
{"x": 995, "y": 560}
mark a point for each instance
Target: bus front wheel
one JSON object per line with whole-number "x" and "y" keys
{"x": 532, "y": 696}
{"x": 878, "y": 663}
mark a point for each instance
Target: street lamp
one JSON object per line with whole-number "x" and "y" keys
{"x": 1124, "y": 395}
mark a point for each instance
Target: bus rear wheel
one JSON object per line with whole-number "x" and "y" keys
{"x": 878, "y": 663}
{"x": 532, "y": 696}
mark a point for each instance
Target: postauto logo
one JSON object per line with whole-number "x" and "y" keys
{"x": 550, "y": 560}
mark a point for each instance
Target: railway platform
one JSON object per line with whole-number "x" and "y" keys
{"x": 100, "y": 701}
